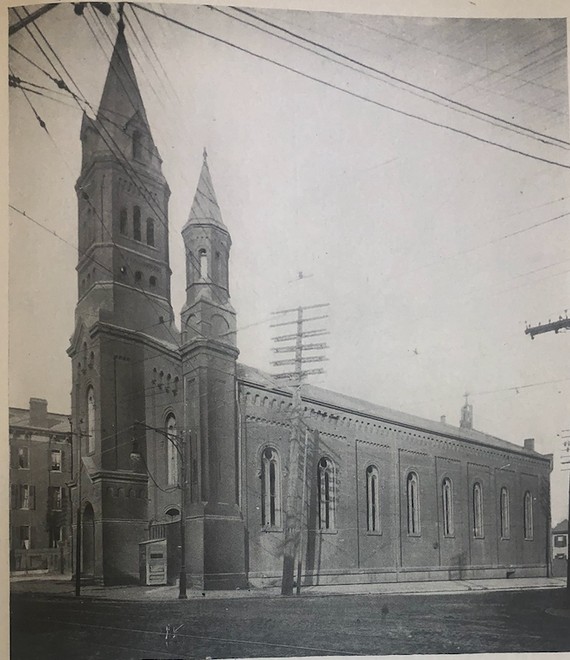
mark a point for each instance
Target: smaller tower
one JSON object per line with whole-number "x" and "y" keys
{"x": 216, "y": 556}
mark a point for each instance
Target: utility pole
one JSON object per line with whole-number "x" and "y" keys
{"x": 556, "y": 326}
{"x": 78, "y": 514}
{"x": 551, "y": 326}
{"x": 565, "y": 460}
{"x": 295, "y": 473}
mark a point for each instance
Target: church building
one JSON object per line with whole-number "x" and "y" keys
{"x": 167, "y": 422}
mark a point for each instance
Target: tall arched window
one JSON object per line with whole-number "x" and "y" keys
{"x": 447, "y": 506}
{"x": 150, "y": 231}
{"x": 477, "y": 511}
{"x": 413, "y": 501}
{"x": 90, "y": 420}
{"x": 372, "y": 499}
{"x": 528, "y": 517}
{"x": 137, "y": 144}
{"x": 123, "y": 222}
{"x": 270, "y": 489}
{"x": 505, "y": 514}
{"x": 171, "y": 451}
{"x": 137, "y": 223}
{"x": 325, "y": 484}
{"x": 203, "y": 264}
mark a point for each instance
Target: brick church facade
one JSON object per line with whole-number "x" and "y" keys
{"x": 387, "y": 496}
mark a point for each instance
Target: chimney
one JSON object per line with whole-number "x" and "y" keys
{"x": 443, "y": 419}
{"x": 529, "y": 444}
{"x": 38, "y": 413}
{"x": 466, "y": 415}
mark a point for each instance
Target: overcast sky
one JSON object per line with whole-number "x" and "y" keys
{"x": 421, "y": 238}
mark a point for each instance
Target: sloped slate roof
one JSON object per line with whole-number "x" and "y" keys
{"x": 561, "y": 527}
{"x": 56, "y": 422}
{"x": 205, "y": 207}
{"x": 358, "y": 406}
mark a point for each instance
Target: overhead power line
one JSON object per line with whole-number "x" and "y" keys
{"x": 447, "y": 101}
{"x": 361, "y": 97}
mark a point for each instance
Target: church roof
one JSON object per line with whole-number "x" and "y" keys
{"x": 205, "y": 207}
{"x": 360, "y": 407}
{"x": 121, "y": 100}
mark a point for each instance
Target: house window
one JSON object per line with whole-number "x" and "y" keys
{"x": 23, "y": 458}
{"x": 326, "y": 486}
{"x": 372, "y": 499}
{"x": 90, "y": 420}
{"x": 137, "y": 223}
{"x": 150, "y": 231}
{"x": 447, "y": 505}
{"x": 152, "y": 280}
{"x": 203, "y": 264}
{"x": 56, "y": 460}
{"x": 27, "y": 497}
{"x": 477, "y": 511}
{"x": 55, "y": 498}
{"x": 560, "y": 541}
{"x": 171, "y": 451}
{"x": 528, "y": 518}
{"x": 24, "y": 541}
{"x": 505, "y": 514}
{"x": 270, "y": 489}
{"x": 413, "y": 501}
{"x": 123, "y": 222}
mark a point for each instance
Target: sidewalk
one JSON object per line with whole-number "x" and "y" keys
{"x": 55, "y": 586}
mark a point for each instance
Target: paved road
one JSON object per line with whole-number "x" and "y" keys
{"x": 46, "y": 626}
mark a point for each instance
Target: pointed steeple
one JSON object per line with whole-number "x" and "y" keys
{"x": 205, "y": 208}
{"x": 121, "y": 100}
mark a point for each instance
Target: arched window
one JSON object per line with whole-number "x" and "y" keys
{"x": 477, "y": 511}
{"x": 372, "y": 499}
{"x": 528, "y": 518}
{"x": 325, "y": 484}
{"x": 90, "y": 420}
{"x": 270, "y": 489}
{"x": 137, "y": 223}
{"x": 413, "y": 501}
{"x": 150, "y": 231}
{"x": 137, "y": 144}
{"x": 152, "y": 280}
{"x": 505, "y": 514}
{"x": 447, "y": 505}
{"x": 171, "y": 451}
{"x": 203, "y": 264}
{"x": 123, "y": 222}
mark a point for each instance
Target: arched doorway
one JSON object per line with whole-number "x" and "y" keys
{"x": 88, "y": 541}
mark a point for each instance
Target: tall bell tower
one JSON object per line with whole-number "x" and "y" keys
{"x": 123, "y": 320}
{"x": 216, "y": 555}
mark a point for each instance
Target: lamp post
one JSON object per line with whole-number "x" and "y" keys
{"x": 179, "y": 444}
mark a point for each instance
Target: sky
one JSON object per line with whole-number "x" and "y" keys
{"x": 432, "y": 245}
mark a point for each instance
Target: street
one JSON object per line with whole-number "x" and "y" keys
{"x": 52, "y": 626}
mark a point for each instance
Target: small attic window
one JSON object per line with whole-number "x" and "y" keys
{"x": 152, "y": 280}
{"x": 137, "y": 144}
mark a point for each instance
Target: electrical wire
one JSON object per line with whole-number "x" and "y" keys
{"x": 361, "y": 97}
{"x": 472, "y": 111}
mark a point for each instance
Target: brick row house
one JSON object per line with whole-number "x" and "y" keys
{"x": 40, "y": 471}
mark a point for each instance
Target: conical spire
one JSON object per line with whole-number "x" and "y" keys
{"x": 121, "y": 99}
{"x": 205, "y": 208}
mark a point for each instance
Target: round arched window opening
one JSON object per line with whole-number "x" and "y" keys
{"x": 173, "y": 513}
